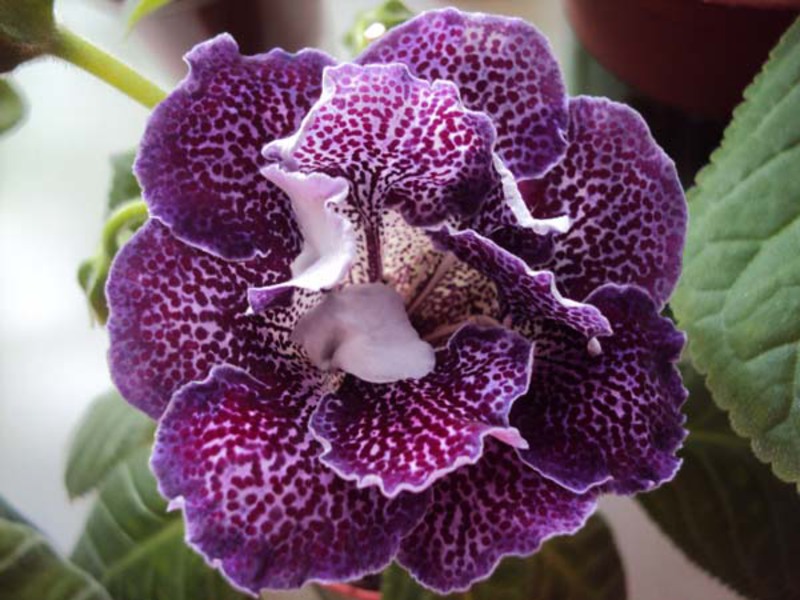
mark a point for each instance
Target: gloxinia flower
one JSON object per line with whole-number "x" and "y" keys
{"x": 400, "y": 309}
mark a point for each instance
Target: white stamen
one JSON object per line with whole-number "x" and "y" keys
{"x": 364, "y": 330}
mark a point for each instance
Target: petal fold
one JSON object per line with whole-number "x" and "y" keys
{"x": 624, "y": 199}
{"x": 613, "y": 418}
{"x": 503, "y": 67}
{"x": 256, "y": 499}
{"x": 199, "y": 159}
{"x": 405, "y": 435}
{"x": 479, "y": 514}
{"x": 528, "y": 298}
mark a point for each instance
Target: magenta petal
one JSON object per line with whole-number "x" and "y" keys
{"x": 236, "y": 454}
{"x": 401, "y": 143}
{"x": 503, "y": 67}
{"x": 200, "y": 156}
{"x": 613, "y": 418}
{"x": 483, "y": 512}
{"x": 177, "y": 311}
{"x": 404, "y": 435}
{"x": 527, "y": 297}
{"x": 625, "y": 200}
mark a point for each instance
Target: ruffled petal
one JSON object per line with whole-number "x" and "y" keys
{"x": 483, "y": 512}
{"x": 199, "y": 159}
{"x": 613, "y": 418}
{"x": 405, "y": 435}
{"x": 503, "y": 67}
{"x": 177, "y": 311}
{"x": 401, "y": 143}
{"x": 625, "y": 201}
{"x": 236, "y": 454}
{"x": 528, "y": 298}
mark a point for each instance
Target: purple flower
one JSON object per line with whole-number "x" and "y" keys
{"x": 405, "y": 308}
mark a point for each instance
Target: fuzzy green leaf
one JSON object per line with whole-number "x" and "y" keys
{"x": 110, "y": 432}
{"x": 585, "y": 566}
{"x": 739, "y": 297}
{"x": 726, "y": 510}
{"x": 27, "y": 30}
{"x": 31, "y": 570}
{"x": 12, "y": 108}
{"x": 136, "y": 549}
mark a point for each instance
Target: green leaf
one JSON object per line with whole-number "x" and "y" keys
{"x": 143, "y": 8}
{"x": 585, "y": 566}
{"x": 109, "y": 433}
{"x": 12, "y": 109}
{"x": 31, "y": 570}
{"x": 27, "y": 30}
{"x": 739, "y": 297}
{"x": 124, "y": 186}
{"x": 371, "y": 24}
{"x": 726, "y": 510}
{"x": 136, "y": 549}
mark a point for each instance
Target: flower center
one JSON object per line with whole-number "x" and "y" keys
{"x": 364, "y": 330}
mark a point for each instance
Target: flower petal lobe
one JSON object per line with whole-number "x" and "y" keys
{"x": 625, "y": 201}
{"x": 483, "y": 512}
{"x": 256, "y": 499}
{"x": 503, "y": 67}
{"x": 199, "y": 159}
{"x": 613, "y": 418}
{"x": 405, "y": 435}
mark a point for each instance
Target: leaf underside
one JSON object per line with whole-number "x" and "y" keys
{"x": 726, "y": 510}
{"x": 110, "y": 432}
{"x": 136, "y": 549}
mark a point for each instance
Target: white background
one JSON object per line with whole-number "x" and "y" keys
{"x": 54, "y": 174}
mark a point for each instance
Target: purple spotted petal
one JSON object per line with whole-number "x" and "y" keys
{"x": 238, "y": 456}
{"x": 483, "y": 512}
{"x": 199, "y": 159}
{"x": 527, "y": 297}
{"x": 401, "y": 142}
{"x": 177, "y": 311}
{"x": 503, "y": 67}
{"x": 405, "y": 435}
{"x": 623, "y": 195}
{"x": 614, "y": 417}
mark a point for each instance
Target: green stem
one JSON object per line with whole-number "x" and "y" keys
{"x": 99, "y": 63}
{"x": 129, "y": 214}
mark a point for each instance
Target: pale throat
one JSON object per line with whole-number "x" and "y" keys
{"x": 364, "y": 330}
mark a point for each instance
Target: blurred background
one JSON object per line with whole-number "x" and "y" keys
{"x": 54, "y": 176}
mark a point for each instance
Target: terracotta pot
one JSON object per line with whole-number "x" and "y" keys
{"x": 689, "y": 54}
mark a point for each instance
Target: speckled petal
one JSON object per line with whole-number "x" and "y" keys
{"x": 483, "y": 512}
{"x": 236, "y": 454}
{"x": 527, "y": 297}
{"x": 402, "y": 143}
{"x": 405, "y": 435}
{"x": 625, "y": 201}
{"x": 177, "y": 311}
{"x": 613, "y": 418}
{"x": 502, "y": 66}
{"x": 199, "y": 159}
